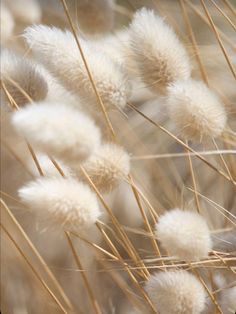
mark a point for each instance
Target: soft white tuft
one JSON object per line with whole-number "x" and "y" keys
{"x": 7, "y": 23}
{"x": 18, "y": 73}
{"x": 59, "y": 53}
{"x": 108, "y": 166}
{"x": 66, "y": 202}
{"x": 196, "y": 111}
{"x": 176, "y": 292}
{"x": 184, "y": 234}
{"x": 58, "y": 130}
{"x": 160, "y": 56}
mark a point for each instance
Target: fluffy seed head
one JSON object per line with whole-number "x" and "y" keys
{"x": 176, "y": 292}
{"x": 108, "y": 166}
{"x": 63, "y": 201}
{"x": 58, "y": 51}
{"x": 7, "y": 23}
{"x": 160, "y": 57}
{"x": 58, "y": 130}
{"x": 196, "y": 111}
{"x": 19, "y": 74}
{"x": 184, "y": 234}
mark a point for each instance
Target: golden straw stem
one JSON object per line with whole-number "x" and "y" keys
{"x": 194, "y": 42}
{"x": 93, "y": 300}
{"x": 33, "y": 270}
{"x": 218, "y": 38}
{"x": 194, "y": 181}
{"x": 182, "y": 144}
{"x": 129, "y": 247}
{"x": 140, "y": 288}
{"x": 88, "y": 69}
{"x": 38, "y": 256}
{"x": 224, "y": 15}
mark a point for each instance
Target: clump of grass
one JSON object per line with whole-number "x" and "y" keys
{"x": 114, "y": 203}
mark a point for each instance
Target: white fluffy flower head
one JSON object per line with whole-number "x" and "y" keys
{"x": 176, "y": 292}
{"x": 184, "y": 234}
{"x": 58, "y": 51}
{"x": 66, "y": 202}
{"x": 107, "y": 166}
{"x": 18, "y": 73}
{"x": 160, "y": 56}
{"x": 196, "y": 111}
{"x": 58, "y": 130}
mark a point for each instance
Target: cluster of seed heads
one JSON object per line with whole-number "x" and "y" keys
{"x": 88, "y": 165}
